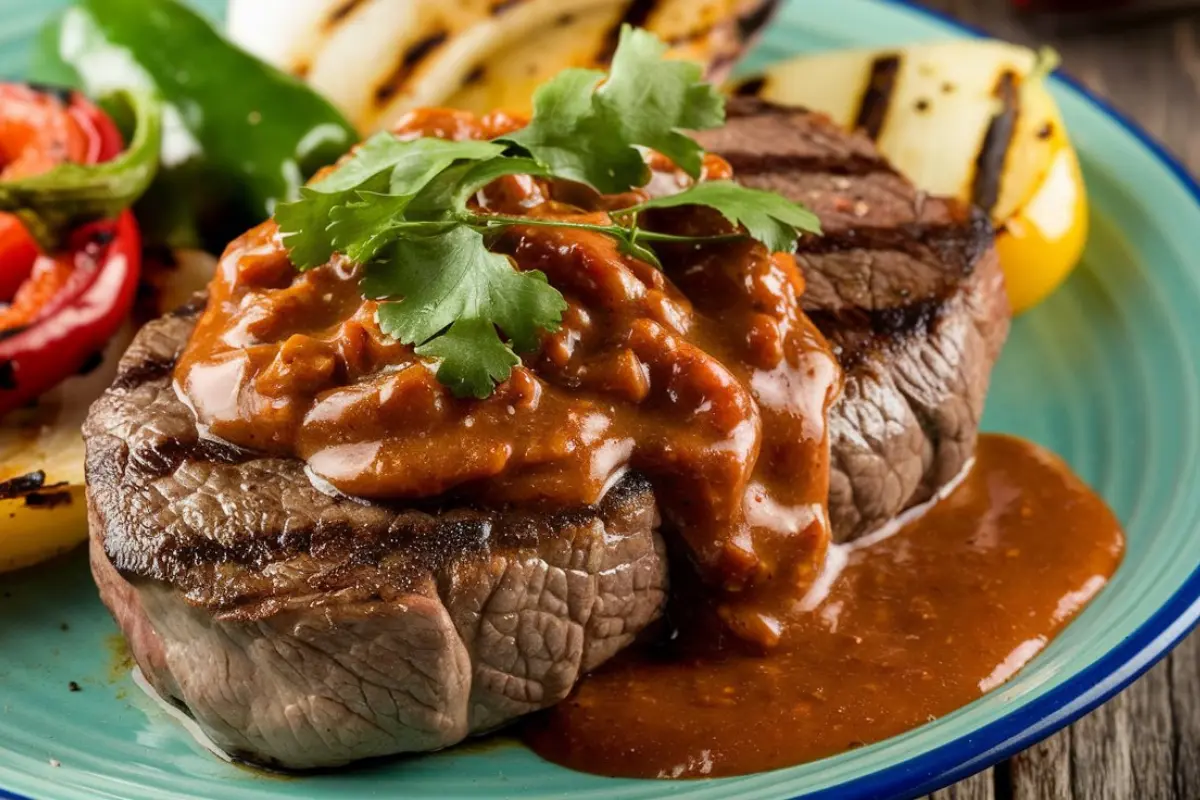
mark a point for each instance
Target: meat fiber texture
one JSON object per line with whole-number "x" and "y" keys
{"x": 302, "y": 630}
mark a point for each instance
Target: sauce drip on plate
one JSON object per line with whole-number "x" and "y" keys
{"x": 914, "y": 627}
{"x": 706, "y": 377}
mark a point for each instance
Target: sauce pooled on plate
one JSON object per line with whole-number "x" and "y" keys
{"x": 915, "y": 626}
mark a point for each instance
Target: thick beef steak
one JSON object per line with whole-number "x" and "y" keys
{"x": 908, "y": 290}
{"x": 305, "y": 631}
{"x": 302, "y": 630}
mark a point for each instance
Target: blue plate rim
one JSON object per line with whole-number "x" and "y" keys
{"x": 1099, "y": 681}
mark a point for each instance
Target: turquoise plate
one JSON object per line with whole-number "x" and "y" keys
{"x": 1104, "y": 373}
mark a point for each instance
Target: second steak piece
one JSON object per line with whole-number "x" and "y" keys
{"x": 908, "y": 290}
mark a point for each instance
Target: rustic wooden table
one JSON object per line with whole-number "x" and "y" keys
{"x": 1145, "y": 743}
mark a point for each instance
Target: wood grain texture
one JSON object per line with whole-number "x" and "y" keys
{"x": 1145, "y": 743}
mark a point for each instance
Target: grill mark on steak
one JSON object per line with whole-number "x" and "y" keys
{"x": 989, "y": 163}
{"x": 958, "y": 243}
{"x": 148, "y": 370}
{"x": 877, "y": 97}
{"x": 746, "y": 164}
{"x": 165, "y": 457}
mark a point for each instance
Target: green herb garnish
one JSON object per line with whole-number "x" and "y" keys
{"x": 402, "y": 209}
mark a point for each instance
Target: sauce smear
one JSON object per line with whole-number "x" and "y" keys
{"x": 914, "y": 627}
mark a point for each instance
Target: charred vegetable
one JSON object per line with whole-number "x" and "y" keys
{"x": 240, "y": 136}
{"x": 70, "y": 255}
{"x": 67, "y": 169}
{"x": 380, "y": 58}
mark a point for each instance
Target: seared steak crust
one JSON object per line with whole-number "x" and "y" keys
{"x": 304, "y": 630}
{"x": 908, "y": 290}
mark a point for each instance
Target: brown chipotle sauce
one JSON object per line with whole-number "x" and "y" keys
{"x": 914, "y": 627}
{"x": 707, "y": 378}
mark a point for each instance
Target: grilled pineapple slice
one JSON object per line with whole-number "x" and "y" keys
{"x": 377, "y": 59}
{"x": 968, "y": 119}
{"x": 43, "y": 511}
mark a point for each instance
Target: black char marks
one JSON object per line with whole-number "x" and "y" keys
{"x": 750, "y": 87}
{"x": 752, "y": 22}
{"x": 877, "y": 97}
{"x": 636, "y": 14}
{"x": 411, "y": 59}
{"x": 22, "y": 485}
{"x": 341, "y": 12}
{"x": 475, "y": 76}
{"x": 989, "y": 163}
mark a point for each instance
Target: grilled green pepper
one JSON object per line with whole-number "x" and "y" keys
{"x": 239, "y": 136}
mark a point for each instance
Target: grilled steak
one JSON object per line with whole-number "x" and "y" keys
{"x": 909, "y": 292}
{"x": 303, "y": 630}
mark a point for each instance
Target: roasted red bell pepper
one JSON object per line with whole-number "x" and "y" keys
{"x": 102, "y": 261}
{"x": 62, "y": 161}
{"x": 39, "y": 129}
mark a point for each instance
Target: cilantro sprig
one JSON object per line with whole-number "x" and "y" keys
{"x": 403, "y": 209}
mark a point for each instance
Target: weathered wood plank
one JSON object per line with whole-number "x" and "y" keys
{"x": 1101, "y": 768}
{"x": 1152, "y": 735}
{"x": 1043, "y": 772}
{"x": 1184, "y": 672}
{"x": 978, "y": 787}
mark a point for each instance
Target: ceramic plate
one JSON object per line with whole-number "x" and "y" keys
{"x": 1104, "y": 373}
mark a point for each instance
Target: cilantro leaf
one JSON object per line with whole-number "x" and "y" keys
{"x": 469, "y": 284}
{"x": 650, "y": 100}
{"x": 473, "y": 358}
{"x": 768, "y": 217}
{"x": 447, "y": 195}
{"x": 590, "y": 135}
{"x": 384, "y": 164}
{"x": 567, "y": 134}
{"x": 363, "y": 227}
{"x": 485, "y": 172}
